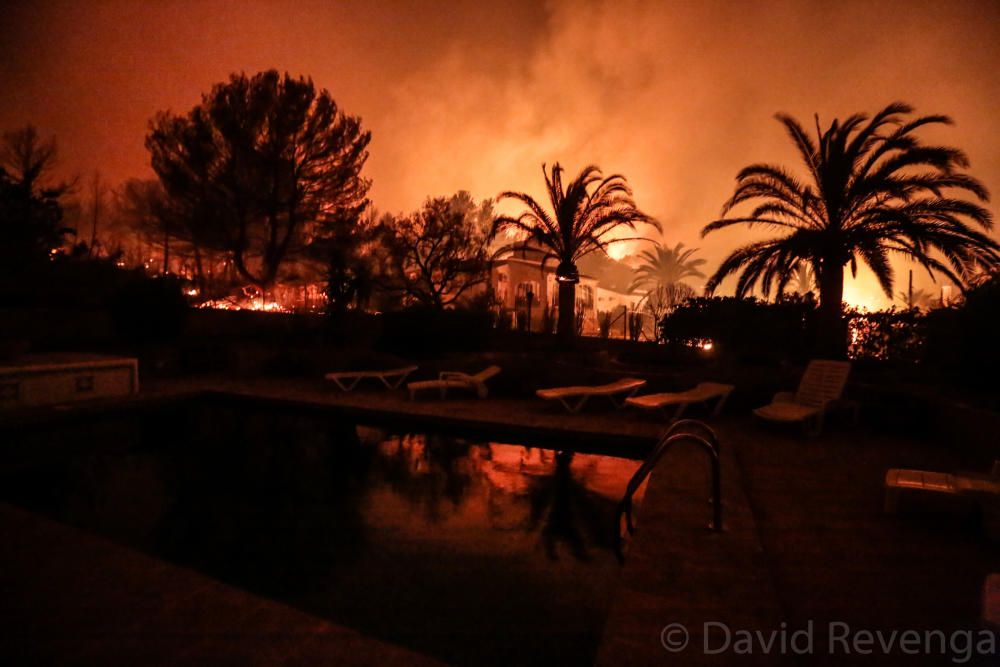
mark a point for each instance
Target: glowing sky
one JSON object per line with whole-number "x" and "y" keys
{"x": 474, "y": 95}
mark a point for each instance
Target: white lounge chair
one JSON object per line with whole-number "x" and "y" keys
{"x": 821, "y": 386}
{"x": 982, "y": 488}
{"x": 392, "y": 378}
{"x": 703, "y": 393}
{"x": 574, "y": 398}
{"x": 453, "y": 380}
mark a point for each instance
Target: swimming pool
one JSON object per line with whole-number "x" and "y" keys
{"x": 471, "y": 551}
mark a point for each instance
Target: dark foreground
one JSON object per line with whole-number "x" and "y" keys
{"x": 805, "y": 541}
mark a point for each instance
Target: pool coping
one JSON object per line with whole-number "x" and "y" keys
{"x": 552, "y": 432}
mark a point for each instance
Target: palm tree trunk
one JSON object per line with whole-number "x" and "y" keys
{"x": 832, "y": 338}
{"x": 567, "y": 311}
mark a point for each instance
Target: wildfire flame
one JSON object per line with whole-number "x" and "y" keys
{"x": 252, "y": 299}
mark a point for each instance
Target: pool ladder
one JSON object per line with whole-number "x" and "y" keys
{"x": 682, "y": 431}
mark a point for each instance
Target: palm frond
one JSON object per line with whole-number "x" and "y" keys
{"x": 873, "y": 189}
{"x": 584, "y": 212}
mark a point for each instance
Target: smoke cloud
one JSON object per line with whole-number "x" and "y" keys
{"x": 679, "y": 96}
{"x": 676, "y": 96}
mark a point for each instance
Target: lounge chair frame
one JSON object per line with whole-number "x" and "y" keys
{"x": 704, "y": 392}
{"x": 574, "y": 402}
{"x": 820, "y": 390}
{"x": 455, "y": 380}
{"x": 392, "y": 378}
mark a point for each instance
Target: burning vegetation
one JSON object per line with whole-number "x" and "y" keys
{"x": 260, "y": 203}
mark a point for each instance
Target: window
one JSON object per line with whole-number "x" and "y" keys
{"x": 553, "y": 287}
{"x": 500, "y": 290}
{"x": 522, "y": 292}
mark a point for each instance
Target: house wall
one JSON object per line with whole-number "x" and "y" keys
{"x": 511, "y": 278}
{"x": 610, "y": 300}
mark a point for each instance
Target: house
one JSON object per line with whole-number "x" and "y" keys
{"x": 612, "y": 301}
{"x": 524, "y": 287}
{"x": 618, "y": 304}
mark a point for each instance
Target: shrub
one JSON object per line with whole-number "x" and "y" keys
{"x": 963, "y": 339}
{"x": 503, "y": 319}
{"x": 548, "y": 320}
{"x": 887, "y": 335}
{"x": 67, "y": 282}
{"x": 353, "y": 327}
{"x": 150, "y": 309}
{"x": 604, "y": 323}
{"x": 426, "y": 332}
{"x": 635, "y": 322}
{"x": 745, "y": 329}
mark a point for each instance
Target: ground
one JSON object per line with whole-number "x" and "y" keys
{"x": 805, "y": 540}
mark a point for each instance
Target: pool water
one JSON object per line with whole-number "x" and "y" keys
{"x": 473, "y": 552}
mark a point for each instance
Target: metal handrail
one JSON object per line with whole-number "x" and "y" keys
{"x": 706, "y": 430}
{"x": 671, "y": 436}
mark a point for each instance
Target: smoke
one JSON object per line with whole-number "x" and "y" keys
{"x": 679, "y": 96}
{"x": 473, "y": 95}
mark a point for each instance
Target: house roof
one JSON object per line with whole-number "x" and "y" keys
{"x": 547, "y": 269}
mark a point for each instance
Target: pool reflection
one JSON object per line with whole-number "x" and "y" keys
{"x": 475, "y": 552}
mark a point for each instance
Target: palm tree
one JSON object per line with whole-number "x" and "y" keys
{"x": 803, "y": 280}
{"x": 914, "y": 298}
{"x": 665, "y": 267}
{"x": 583, "y": 215}
{"x": 873, "y": 190}
{"x": 566, "y": 510}
{"x": 917, "y": 298}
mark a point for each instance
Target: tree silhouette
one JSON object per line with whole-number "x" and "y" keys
{"x": 664, "y": 267}
{"x": 97, "y": 210}
{"x": 432, "y": 472}
{"x": 434, "y": 256}
{"x": 31, "y": 213}
{"x": 352, "y": 268}
{"x": 661, "y": 300}
{"x": 873, "y": 190}
{"x": 144, "y": 208}
{"x": 28, "y": 160}
{"x": 583, "y": 215}
{"x": 261, "y": 165}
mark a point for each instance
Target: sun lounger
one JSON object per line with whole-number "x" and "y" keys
{"x": 452, "y": 380}
{"x": 574, "y": 398}
{"x": 392, "y": 378}
{"x": 679, "y": 401}
{"x": 983, "y": 488}
{"x": 821, "y": 387}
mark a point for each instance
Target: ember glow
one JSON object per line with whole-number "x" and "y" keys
{"x": 865, "y": 293}
{"x": 254, "y": 304}
{"x": 251, "y": 299}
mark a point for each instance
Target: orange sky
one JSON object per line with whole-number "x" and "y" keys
{"x": 469, "y": 95}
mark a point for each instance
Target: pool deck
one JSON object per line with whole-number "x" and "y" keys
{"x": 804, "y": 540}
{"x": 67, "y": 597}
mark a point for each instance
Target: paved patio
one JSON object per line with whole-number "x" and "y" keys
{"x": 67, "y": 597}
